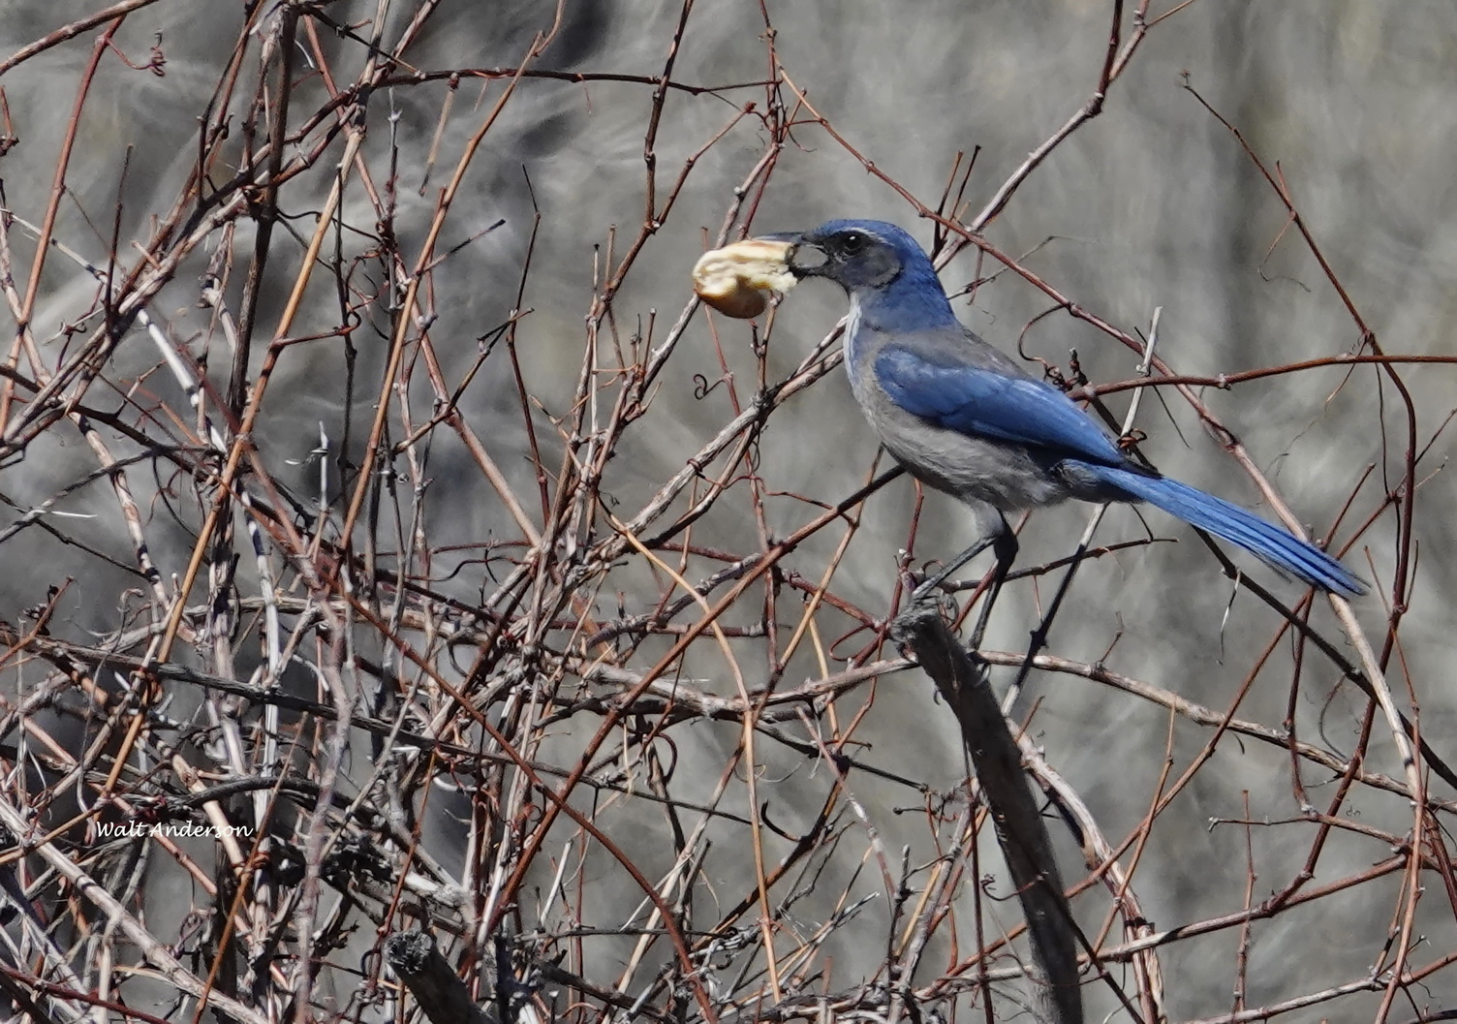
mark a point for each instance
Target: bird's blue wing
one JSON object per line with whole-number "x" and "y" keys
{"x": 983, "y": 402}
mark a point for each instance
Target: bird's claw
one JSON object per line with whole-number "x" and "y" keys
{"x": 927, "y": 584}
{"x": 930, "y": 592}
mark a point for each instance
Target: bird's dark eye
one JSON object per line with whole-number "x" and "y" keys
{"x": 852, "y": 243}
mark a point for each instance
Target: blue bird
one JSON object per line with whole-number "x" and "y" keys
{"x": 966, "y": 419}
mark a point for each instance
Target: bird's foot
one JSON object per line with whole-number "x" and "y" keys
{"x": 930, "y": 594}
{"x": 928, "y": 584}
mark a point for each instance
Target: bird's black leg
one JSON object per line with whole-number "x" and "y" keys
{"x": 933, "y": 584}
{"x": 1005, "y": 547}
{"x": 1003, "y": 543}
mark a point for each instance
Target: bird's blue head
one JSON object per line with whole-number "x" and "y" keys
{"x": 884, "y": 270}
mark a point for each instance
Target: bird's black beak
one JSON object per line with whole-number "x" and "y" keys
{"x": 798, "y": 249}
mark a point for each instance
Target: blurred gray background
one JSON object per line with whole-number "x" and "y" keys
{"x": 1151, "y": 204}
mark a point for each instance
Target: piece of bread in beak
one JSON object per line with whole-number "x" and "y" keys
{"x": 736, "y": 279}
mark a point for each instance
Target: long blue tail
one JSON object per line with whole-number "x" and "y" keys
{"x": 1272, "y": 543}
